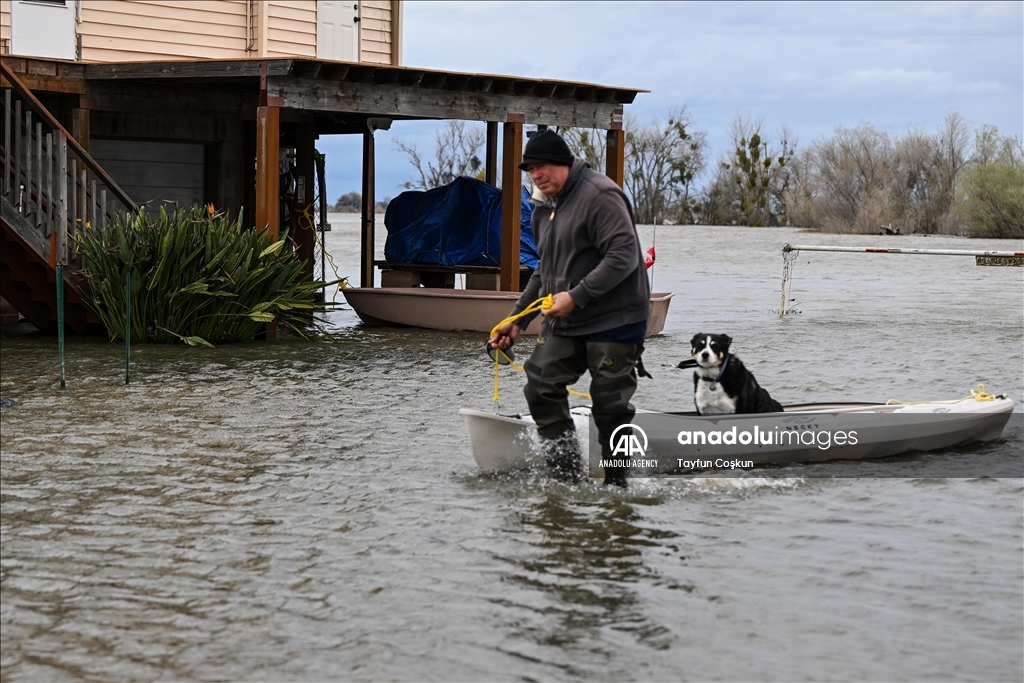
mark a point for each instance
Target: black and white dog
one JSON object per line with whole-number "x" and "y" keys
{"x": 721, "y": 384}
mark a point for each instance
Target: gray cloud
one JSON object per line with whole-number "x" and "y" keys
{"x": 811, "y": 66}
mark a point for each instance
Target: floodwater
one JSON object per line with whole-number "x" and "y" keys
{"x": 311, "y": 511}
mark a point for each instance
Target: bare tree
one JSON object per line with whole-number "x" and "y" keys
{"x": 456, "y": 153}
{"x": 860, "y": 179}
{"x": 589, "y": 144}
{"x": 851, "y": 178}
{"x": 750, "y": 183}
{"x": 663, "y": 161}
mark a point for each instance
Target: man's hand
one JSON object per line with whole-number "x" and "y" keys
{"x": 563, "y": 306}
{"x": 505, "y": 336}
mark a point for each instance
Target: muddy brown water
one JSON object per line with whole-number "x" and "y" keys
{"x": 299, "y": 512}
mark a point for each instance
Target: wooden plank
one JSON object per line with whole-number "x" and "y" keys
{"x": 511, "y": 191}
{"x": 151, "y": 170}
{"x": 149, "y": 99}
{"x": 491, "y": 155}
{"x": 173, "y": 70}
{"x": 366, "y": 239}
{"x": 7, "y": 186}
{"x": 50, "y": 84}
{"x": 267, "y": 180}
{"x": 19, "y": 145}
{"x": 615, "y": 159}
{"x": 196, "y": 128}
{"x": 26, "y": 202}
{"x": 399, "y": 101}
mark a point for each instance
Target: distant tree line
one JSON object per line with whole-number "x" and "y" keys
{"x": 352, "y": 202}
{"x": 958, "y": 180}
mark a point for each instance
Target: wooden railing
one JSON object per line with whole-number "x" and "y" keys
{"x": 49, "y": 178}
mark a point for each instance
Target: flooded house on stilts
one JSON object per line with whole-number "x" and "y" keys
{"x": 111, "y": 104}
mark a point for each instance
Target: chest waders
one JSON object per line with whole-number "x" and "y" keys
{"x": 557, "y": 362}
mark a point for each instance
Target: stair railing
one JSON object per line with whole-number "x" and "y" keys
{"x": 50, "y": 179}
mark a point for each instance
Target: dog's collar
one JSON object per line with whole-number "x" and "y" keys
{"x": 714, "y": 382}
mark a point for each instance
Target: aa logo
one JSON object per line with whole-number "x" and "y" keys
{"x": 625, "y": 442}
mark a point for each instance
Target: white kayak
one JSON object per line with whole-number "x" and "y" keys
{"x": 676, "y": 442}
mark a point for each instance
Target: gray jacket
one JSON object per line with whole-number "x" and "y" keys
{"x": 589, "y": 247}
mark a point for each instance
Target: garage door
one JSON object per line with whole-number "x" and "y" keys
{"x": 153, "y": 172}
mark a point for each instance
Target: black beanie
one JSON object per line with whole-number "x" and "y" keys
{"x": 546, "y": 147}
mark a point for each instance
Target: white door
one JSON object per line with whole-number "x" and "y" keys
{"x": 43, "y": 28}
{"x": 337, "y": 30}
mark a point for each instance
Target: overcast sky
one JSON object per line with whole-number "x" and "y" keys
{"x": 810, "y": 66}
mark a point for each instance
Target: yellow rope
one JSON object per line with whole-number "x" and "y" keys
{"x": 977, "y": 394}
{"x": 307, "y": 213}
{"x": 540, "y": 304}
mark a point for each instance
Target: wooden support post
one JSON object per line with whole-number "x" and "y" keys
{"x": 491, "y": 157}
{"x": 80, "y": 129}
{"x": 7, "y": 145}
{"x": 268, "y": 181}
{"x": 268, "y": 152}
{"x": 615, "y": 162}
{"x": 305, "y": 235}
{"x": 367, "y": 236}
{"x": 511, "y": 196}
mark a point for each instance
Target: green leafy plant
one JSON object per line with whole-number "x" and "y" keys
{"x": 196, "y": 277}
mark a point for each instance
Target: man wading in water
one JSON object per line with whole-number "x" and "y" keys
{"x": 591, "y": 261}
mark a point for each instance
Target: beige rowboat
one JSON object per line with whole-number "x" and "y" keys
{"x": 473, "y": 310}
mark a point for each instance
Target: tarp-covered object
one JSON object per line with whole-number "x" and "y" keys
{"x": 455, "y": 225}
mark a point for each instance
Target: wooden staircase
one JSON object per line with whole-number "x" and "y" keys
{"x": 51, "y": 186}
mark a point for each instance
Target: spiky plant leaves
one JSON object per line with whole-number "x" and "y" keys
{"x": 272, "y": 249}
{"x": 196, "y": 277}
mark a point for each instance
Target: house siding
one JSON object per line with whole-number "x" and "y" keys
{"x": 131, "y": 31}
{"x": 158, "y": 30}
{"x": 375, "y": 31}
{"x": 291, "y": 28}
{"x": 5, "y": 25}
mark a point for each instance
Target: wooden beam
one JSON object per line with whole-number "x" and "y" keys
{"x": 491, "y": 158}
{"x": 615, "y": 161}
{"x": 366, "y": 237}
{"x": 198, "y": 69}
{"x": 511, "y": 195}
{"x": 268, "y": 152}
{"x": 268, "y": 124}
{"x": 146, "y": 98}
{"x": 402, "y": 102}
{"x": 81, "y": 128}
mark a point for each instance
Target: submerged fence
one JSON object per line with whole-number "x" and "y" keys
{"x": 981, "y": 258}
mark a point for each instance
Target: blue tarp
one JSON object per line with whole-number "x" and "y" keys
{"x": 455, "y": 225}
